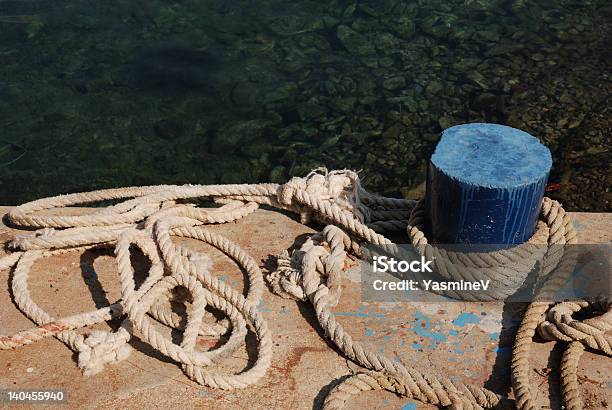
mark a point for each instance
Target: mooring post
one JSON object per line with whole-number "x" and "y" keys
{"x": 485, "y": 185}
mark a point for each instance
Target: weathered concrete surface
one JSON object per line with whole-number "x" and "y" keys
{"x": 467, "y": 341}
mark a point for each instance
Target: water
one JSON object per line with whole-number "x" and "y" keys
{"x": 103, "y": 94}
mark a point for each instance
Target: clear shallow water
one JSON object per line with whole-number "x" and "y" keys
{"x": 102, "y": 94}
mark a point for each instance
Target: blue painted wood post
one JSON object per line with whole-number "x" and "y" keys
{"x": 485, "y": 185}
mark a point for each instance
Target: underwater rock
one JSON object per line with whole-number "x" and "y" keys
{"x": 492, "y": 33}
{"x": 259, "y": 44}
{"x": 410, "y": 103}
{"x": 255, "y": 149}
{"x": 312, "y": 43}
{"x": 169, "y": 129}
{"x": 477, "y": 78}
{"x": 291, "y": 25}
{"x": 484, "y": 102}
{"x": 35, "y": 26}
{"x": 278, "y": 174}
{"x": 445, "y": 122}
{"x": 245, "y": 94}
{"x": 330, "y": 21}
{"x": 393, "y": 132}
{"x": 343, "y": 105}
{"x": 281, "y": 93}
{"x": 310, "y": 110}
{"x": 293, "y": 62}
{"x": 233, "y": 136}
{"x": 434, "y": 87}
{"x": 566, "y": 98}
{"x": 394, "y": 83}
{"x": 405, "y": 27}
{"x": 354, "y": 42}
{"x": 329, "y": 143}
{"x": 385, "y": 42}
{"x": 505, "y": 48}
{"x": 172, "y": 18}
{"x": 439, "y": 25}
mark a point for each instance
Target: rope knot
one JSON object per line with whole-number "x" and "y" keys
{"x": 286, "y": 280}
{"x": 100, "y": 348}
{"x": 340, "y": 187}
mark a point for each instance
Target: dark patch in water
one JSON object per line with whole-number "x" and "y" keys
{"x": 173, "y": 70}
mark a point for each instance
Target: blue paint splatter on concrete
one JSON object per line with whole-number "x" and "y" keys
{"x": 351, "y": 314}
{"x": 409, "y": 406}
{"x": 466, "y": 318}
{"x": 453, "y": 332}
{"x": 494, "y": 335}
{"x": 579, "y": 226}
{"x": 362, "y": 313}
{"x": 369, "y": 332}
{"x": 416, "y": 345}
{"x": 422, "y": 327}
{"x": 261, "y": 308}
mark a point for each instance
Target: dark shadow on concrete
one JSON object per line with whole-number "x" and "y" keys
{"x": 553, "y": 371}
{"x": 146, "y": 349}
{"x": 499, "y": 379}
{"x": 90, "y": 277}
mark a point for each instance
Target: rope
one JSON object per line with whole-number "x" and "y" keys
{"x": 148, "y": 218}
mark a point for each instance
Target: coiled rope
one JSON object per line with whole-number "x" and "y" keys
{"x": 150, "y": 216}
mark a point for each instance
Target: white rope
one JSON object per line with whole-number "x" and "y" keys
{"x": 149, "y": 217}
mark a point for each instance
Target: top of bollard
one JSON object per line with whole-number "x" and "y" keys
{"x": 491, "y": 155}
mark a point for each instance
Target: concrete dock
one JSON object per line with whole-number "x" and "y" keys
{"x": 470, "y": 342}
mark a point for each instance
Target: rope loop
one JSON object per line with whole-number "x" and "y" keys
{"x": 561, "y": 326}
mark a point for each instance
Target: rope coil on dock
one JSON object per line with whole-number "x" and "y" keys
{"x": 149, "y": 217}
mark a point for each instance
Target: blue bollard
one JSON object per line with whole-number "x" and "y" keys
{"x": 485, "y": 184}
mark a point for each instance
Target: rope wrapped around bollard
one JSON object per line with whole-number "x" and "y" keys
{"x": 150, "y": 216}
